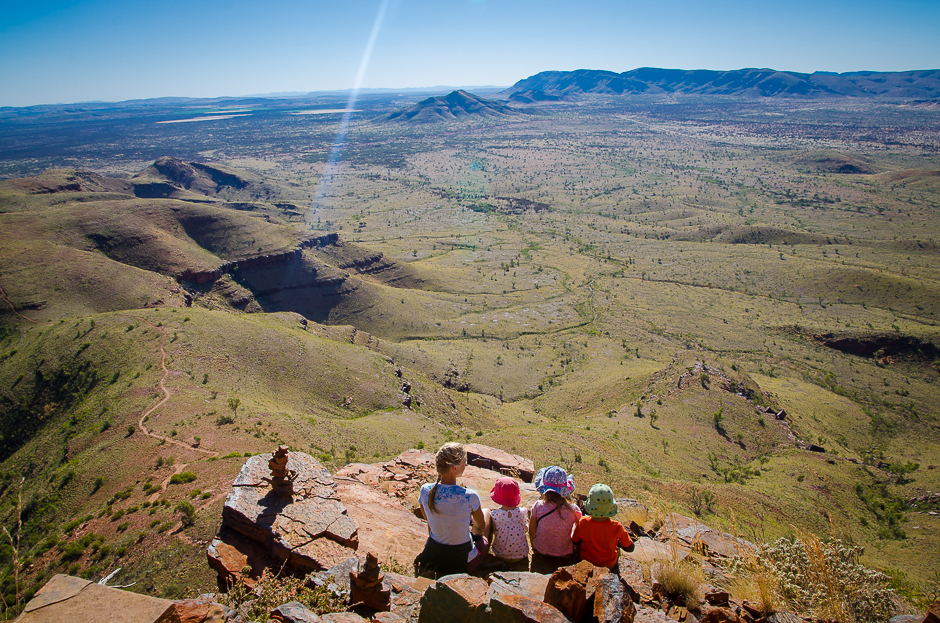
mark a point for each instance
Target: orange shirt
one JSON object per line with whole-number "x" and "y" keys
{"x": 599, "y": 539}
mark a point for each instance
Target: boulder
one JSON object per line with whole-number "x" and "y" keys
{"x": 453, "y": 598}
{"x": 385, "y": 525}
{"x": 511, "y": 608}
{"x": 717, "y": 597}
{"x": 335, "y": 579}
{"x": 500, "y": 461}
{"x": 201, "y": 610}
{"x": 343, "y": 617}
{"x": 650, "y": 615}
{"x": 523, "y": 583}
{"x": 229, "y": 561}
{"x": 636, "y": 529}
{"x": 612, "y": 602}
{"x": 631, "y": 572}
{"x": 571, "y": 588}
{"x": 933, "y": 613}
{"x": 294, "y": 612}
{"x": 308, "y": 529}
{"x": 720, "y": 615}
{"x": 690, "y": 532}
{"x": 782, "y": 616}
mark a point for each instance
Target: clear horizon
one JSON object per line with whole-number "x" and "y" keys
{"x": 70, "y": 51}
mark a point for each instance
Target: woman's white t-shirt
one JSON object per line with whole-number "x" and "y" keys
{"x": 450, "y": 525}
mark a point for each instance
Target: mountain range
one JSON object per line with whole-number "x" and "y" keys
{"x": 923, "y": 84}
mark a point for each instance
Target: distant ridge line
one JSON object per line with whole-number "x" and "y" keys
{"x": 901, "y": 85}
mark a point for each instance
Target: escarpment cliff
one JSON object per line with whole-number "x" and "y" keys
{"x": 321, "y": 274}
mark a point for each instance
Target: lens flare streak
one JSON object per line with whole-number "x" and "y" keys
{"x": 340, "y": 140}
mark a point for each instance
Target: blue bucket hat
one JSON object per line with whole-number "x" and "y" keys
{"x": 556, "y": 479}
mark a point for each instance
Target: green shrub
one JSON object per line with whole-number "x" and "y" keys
{"x": 182, "y": 478}
{"x": 187, "y": 513}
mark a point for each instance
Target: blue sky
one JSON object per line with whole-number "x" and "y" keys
{"x": 65, "y": 51}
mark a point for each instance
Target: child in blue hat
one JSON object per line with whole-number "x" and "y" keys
{"x": 552, "y": 519}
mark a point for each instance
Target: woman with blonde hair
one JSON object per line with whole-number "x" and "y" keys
{"x": 449, "y": 510}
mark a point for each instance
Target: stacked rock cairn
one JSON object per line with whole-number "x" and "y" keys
{"x": 282, "y": 482}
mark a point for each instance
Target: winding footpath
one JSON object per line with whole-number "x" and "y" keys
{"x": 3, "y": 293}
{"x": 166, "y": 397}
{"x": 177, "y": 527}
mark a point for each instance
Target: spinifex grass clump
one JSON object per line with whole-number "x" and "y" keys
{"x": 272, "y": 591}
{"x": 823, "y": 578}
{"x": 679, "y": 581}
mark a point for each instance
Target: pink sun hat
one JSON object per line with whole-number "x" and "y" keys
{"x": 506, "y": 492}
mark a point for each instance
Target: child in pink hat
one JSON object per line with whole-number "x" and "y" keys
{"x": 509, "y": 523}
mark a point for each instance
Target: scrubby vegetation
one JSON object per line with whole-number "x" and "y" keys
{"x": 693, "y": 298}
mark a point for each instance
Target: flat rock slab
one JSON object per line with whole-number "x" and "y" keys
{"x": 523, "y": 583}
{"x": 67, "y": 599}
{"x": 648, "y": 550}
{"x": 310, "y": 529}
{"x": 500, "y": 461}
{"x": 690, "y": 531}
{"x": 385, "y": 527}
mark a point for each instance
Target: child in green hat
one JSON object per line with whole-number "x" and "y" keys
{"x": 598, "y": 534}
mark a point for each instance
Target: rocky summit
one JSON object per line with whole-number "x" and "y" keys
{"x": 286, "y": 515}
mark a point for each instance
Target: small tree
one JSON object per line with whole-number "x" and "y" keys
{"x": 233, "y": 404}
{"x": 696, "y": 502}
{"x": 653, "y": 417}
{"x": 187, "y": 513}
{"x": 901, "y": 470}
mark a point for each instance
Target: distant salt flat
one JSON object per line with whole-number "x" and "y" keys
{"x": 210, "y": 118}
{"x": 321, "y": 111}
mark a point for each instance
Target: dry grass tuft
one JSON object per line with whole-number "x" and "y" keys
{"x": 639, "y": 514}
{"x": 678, "y": 581}
{"x": 755, "y": 584}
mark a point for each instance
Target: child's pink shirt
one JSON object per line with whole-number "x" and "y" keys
{"x": 553, "y": 535}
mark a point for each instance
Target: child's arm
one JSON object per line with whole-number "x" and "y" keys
{"x": 479, "y": 521}
{"x": 533, "y": 528}
{"x": 625, "y": 542}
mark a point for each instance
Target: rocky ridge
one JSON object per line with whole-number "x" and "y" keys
{"x": 341, "y": 533}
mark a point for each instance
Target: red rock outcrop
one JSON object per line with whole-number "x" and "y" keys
{"x": 308, "y": 529}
